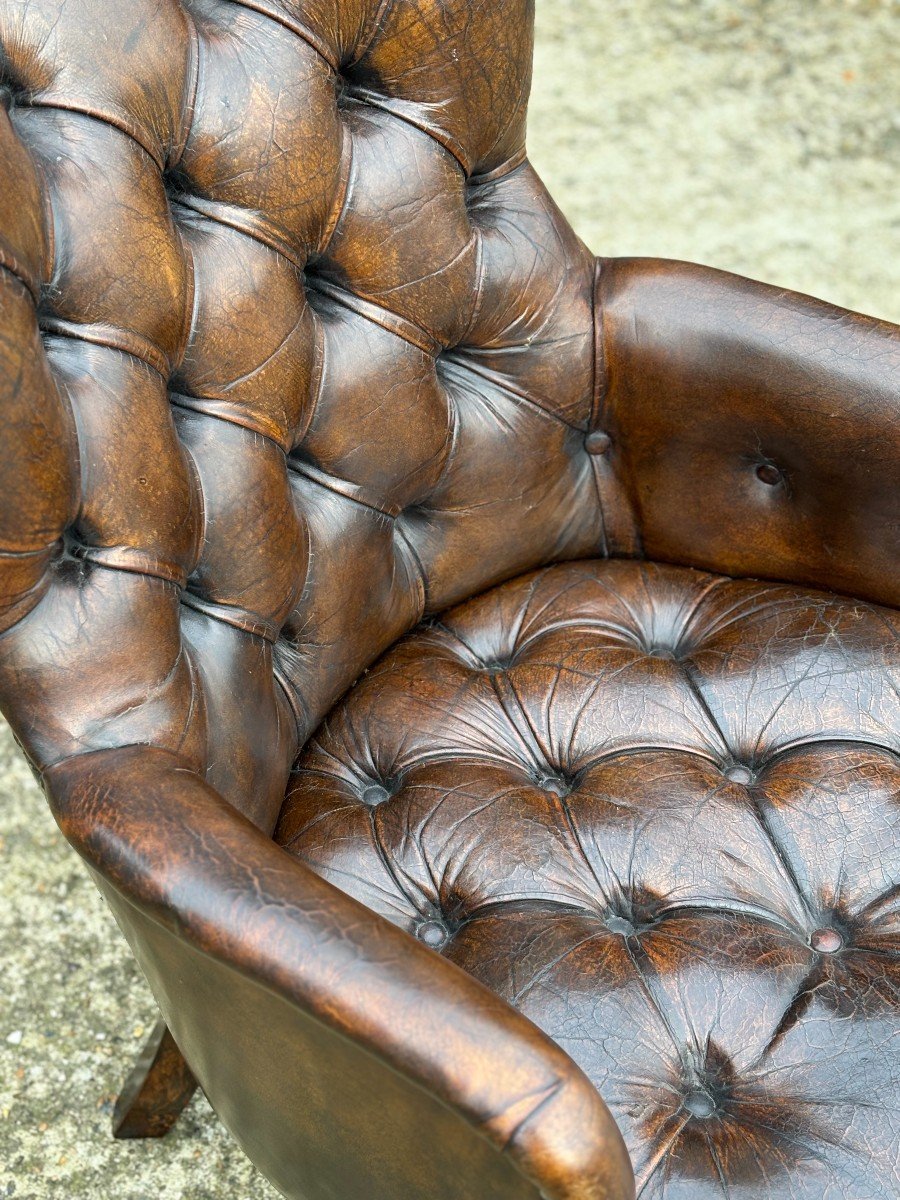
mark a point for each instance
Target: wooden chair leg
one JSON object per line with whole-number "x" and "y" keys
{"x": 157, "y": 1090}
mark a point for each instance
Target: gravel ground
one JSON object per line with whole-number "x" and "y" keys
{"x": 760, "y": 136}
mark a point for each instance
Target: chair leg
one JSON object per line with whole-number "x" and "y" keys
{"x": 157, "y": 1090}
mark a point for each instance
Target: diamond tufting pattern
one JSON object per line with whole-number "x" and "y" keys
{"x": 658, "y": 811}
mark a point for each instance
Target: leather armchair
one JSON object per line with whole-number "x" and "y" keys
{"x": 469, "y": 668}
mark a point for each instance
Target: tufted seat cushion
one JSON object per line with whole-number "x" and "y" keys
{"x": 657, "y": 811}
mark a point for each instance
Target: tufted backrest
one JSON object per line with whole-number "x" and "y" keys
{"x": 295, "y": 349}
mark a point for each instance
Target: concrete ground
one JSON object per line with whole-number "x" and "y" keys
{"x": 762, "y": 136}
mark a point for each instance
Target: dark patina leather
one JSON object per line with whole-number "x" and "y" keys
{"x": 297, "y": 353}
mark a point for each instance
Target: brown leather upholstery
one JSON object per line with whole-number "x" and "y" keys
{"x": 296, "y": 350}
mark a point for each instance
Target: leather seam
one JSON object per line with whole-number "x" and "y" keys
{"x": 370, "y": 31}
{"x": 324, "y": 479}
{"x": 300, "y": 718}
{"x": 393, "y": 323}
{"x": 210, "y": 210}
{"x": 300, "y": 31}
{"x": 11, "y": 265}
{"x": 40, "y": 552}
{"x": 121, "y": 127}
{"x": 462, "y": 362}
{"x": 94, "y": 333}
{"x": 381, "y": 851}
{"x": 190, "y": 310}
{"x": 151, "y": 567}
{"x": 514, "y": 163}
{"x": 229, "y": 614}
{"x": 602, "y": 416}
{"x": 422, "y": 579}
{"x": 446, "y": 142}
{"x": 478, "y": 299}
{"x": 316, "y": 383}
{"x": 598, "y": 384}
{"x": 193, "y": 404}
{"x": 190, "y": 93}
{"x": 345, "y": 168}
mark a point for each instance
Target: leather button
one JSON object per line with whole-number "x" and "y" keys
{"x": 620, "y": 925}
{"x": 555, "y": 784}
{"x": 769, "y": 474}
{"x": 432, "y": 933}
{"x": 826, "y": 941}
{"x": 700, "y": 1104}
{"x": 374, "y": 794}
{"x": 661, "y": 652}
{"x": 494, "y": 666}
{"x": 597, "y": 442}
{"x": 738, "y": 773}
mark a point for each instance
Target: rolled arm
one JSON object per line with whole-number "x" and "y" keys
{"x": 347, "y": 1058}
{"x": 755, "y": 431}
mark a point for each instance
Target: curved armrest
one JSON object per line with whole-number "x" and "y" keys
{"x": 346, "y": 1057}
{"x": 755, "y": 431}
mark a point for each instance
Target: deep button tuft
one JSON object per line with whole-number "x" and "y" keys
{"x": 433, "y": 933}
{"x": 175, "y": 182}
{"x": 312, "y": 269}
{"x": 826, "y": 941}
{"x": 71, "y": 563}
{"x": 738, "y": 773}
{"x": 495, "y": 665}
{"x": 341, "y": 87}
{"x": 661, "y": 652}
{"x": 631, "y": 913}
{"x": 597, "y": 442}
{"x": 555, "y": 783}
{"x": 350, "y": 77}
{"x": 13, "y": 89}
{"x": 769, "y": 474}
{"x": 700, "y": 1104}
{"x": 620, "y": 925}
{"x": 73, "y": 571}
{"x": 374, "y": 794}
{"x": 413, "y": 514}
